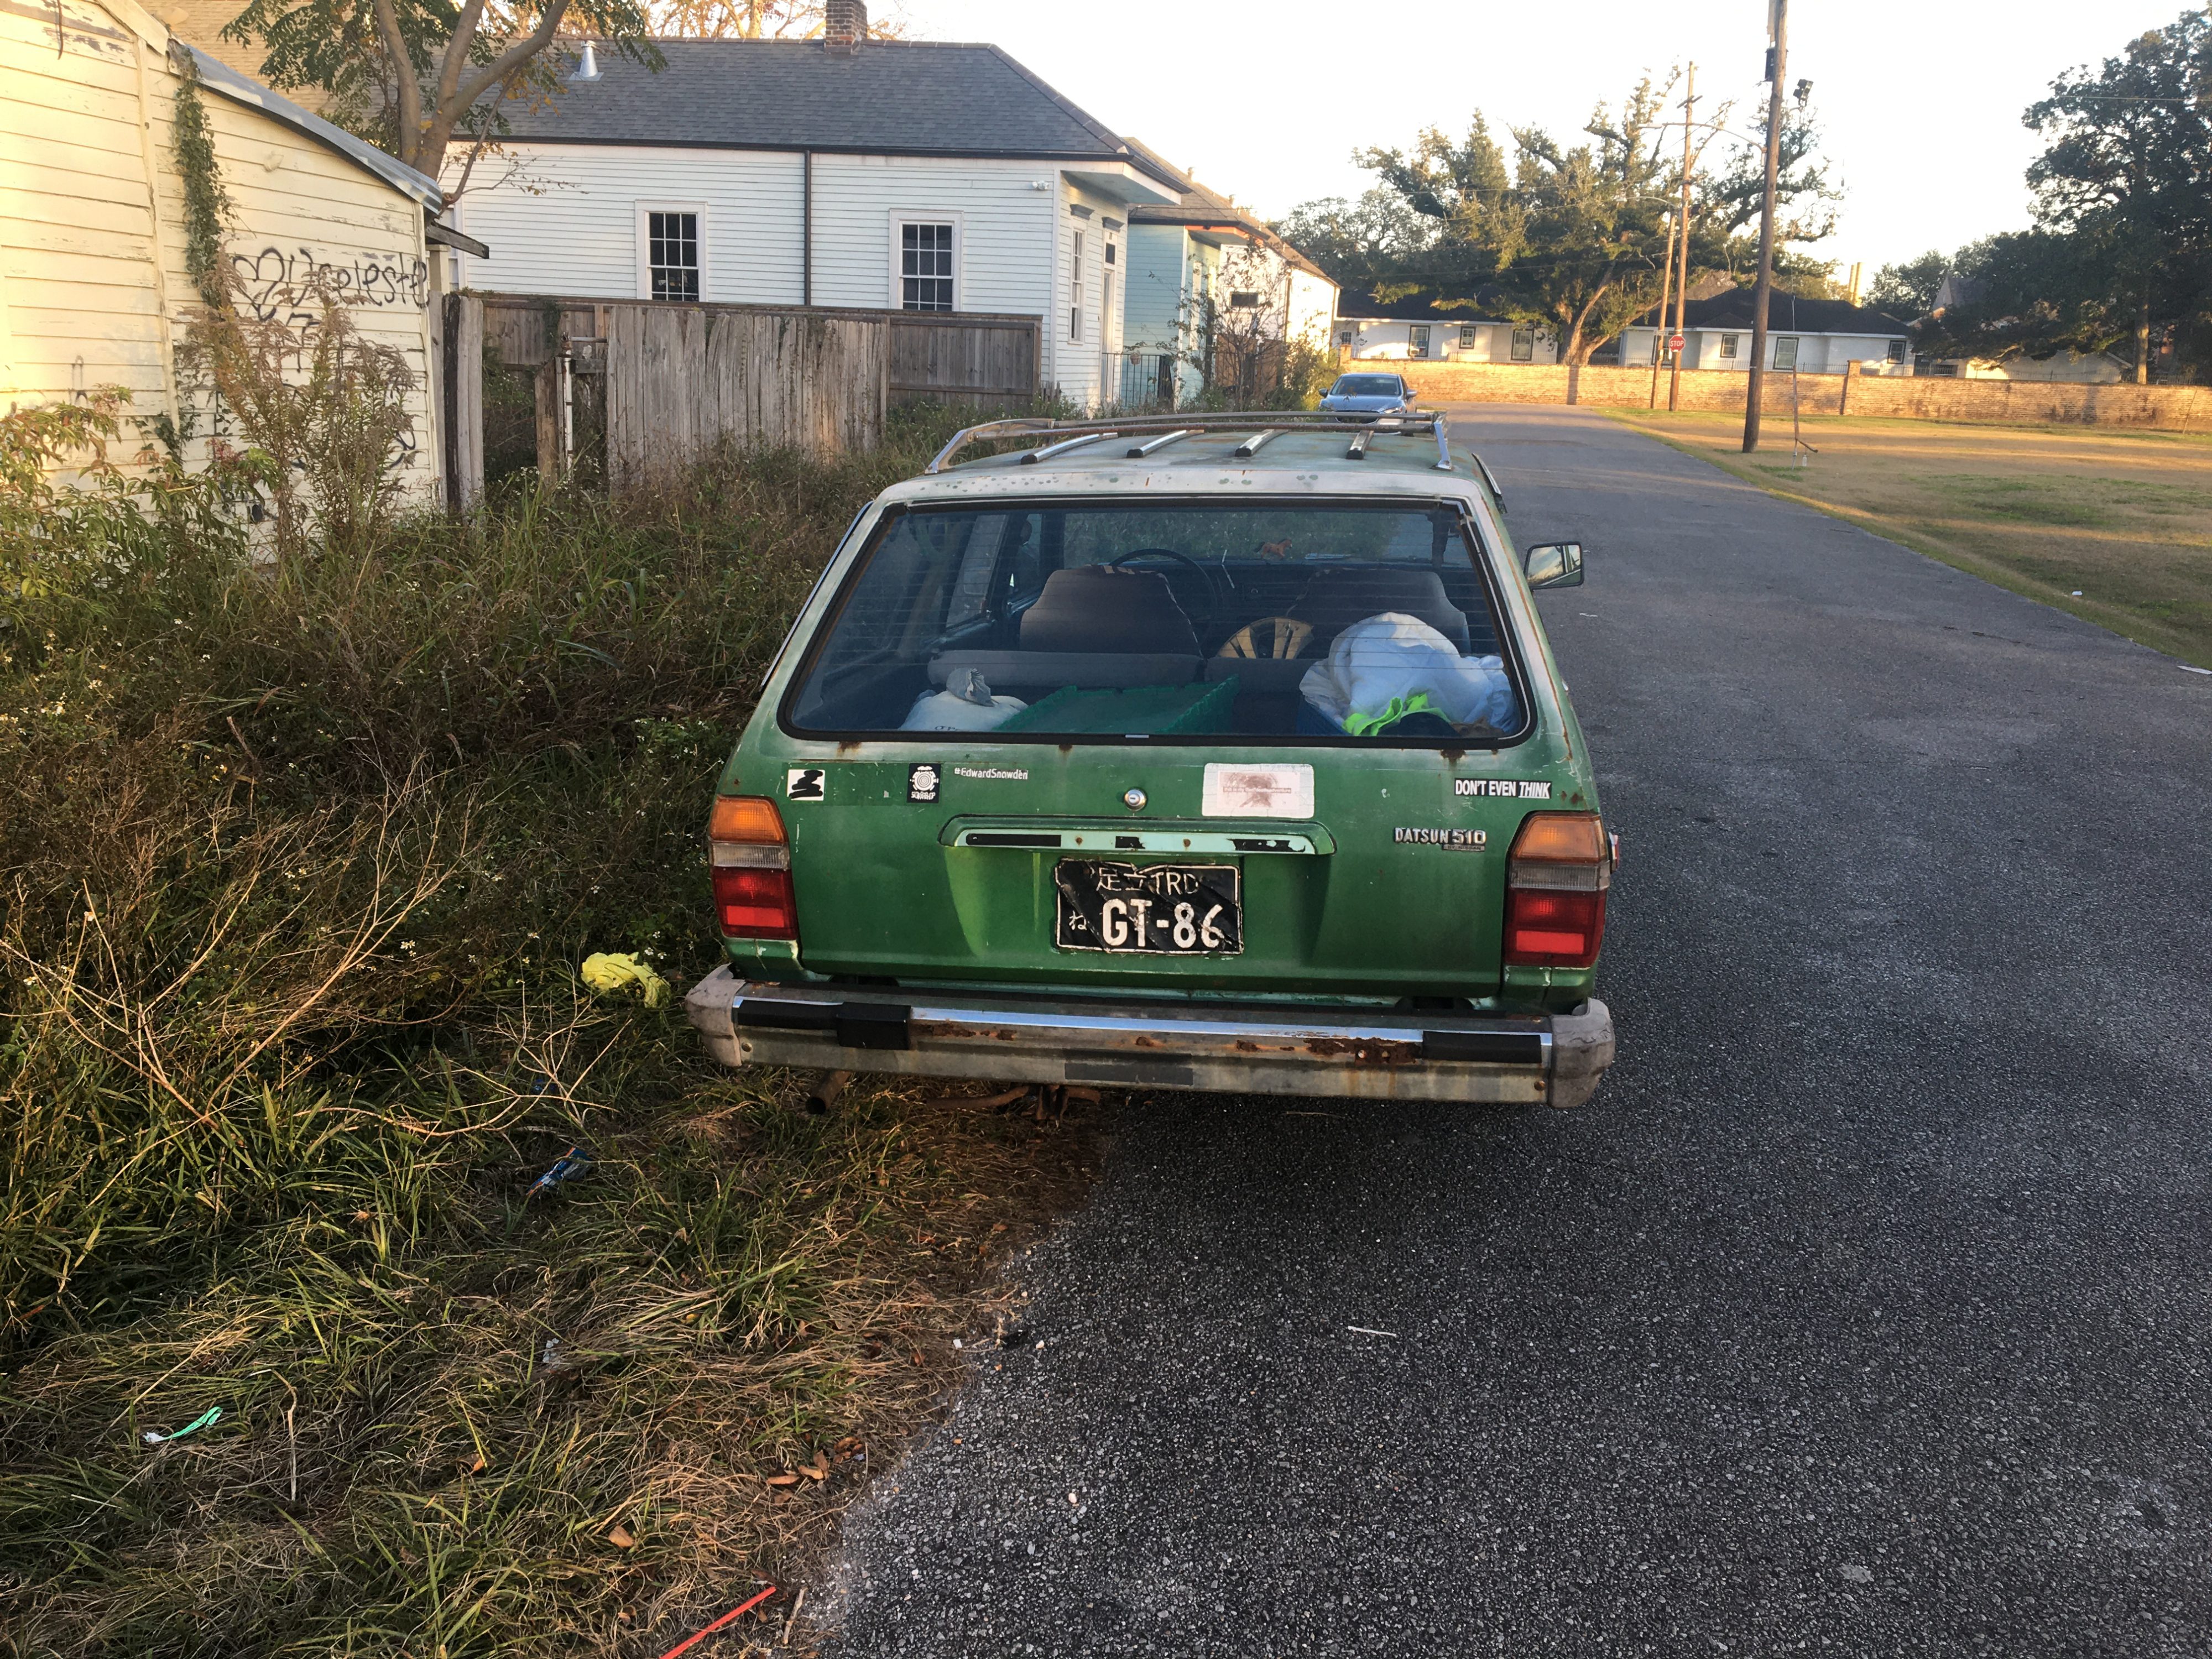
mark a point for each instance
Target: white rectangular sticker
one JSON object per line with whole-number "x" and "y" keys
{"x": 804, "y": 783}
{"x": 1258, "y": 792}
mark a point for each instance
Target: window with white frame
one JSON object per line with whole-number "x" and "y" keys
{"x": 1524, "y": 345}
{"x": 1417, "y": 340}
{"x": 1896, "y": 351}
{"x": 1728, "y": 344}
{"x": 926, "y": 266}
{"x": 1075, "y": 291}
{"x": 672, "y": 248}
{"x": 1467, "y": 336}
{"x": 1785, "y": 353}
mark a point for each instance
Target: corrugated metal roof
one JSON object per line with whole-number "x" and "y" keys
{"x": 887, "y": 98}
{"x": 218, "y": 77}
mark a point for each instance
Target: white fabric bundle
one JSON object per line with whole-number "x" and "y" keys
{"x": 965, "y": 705}
{"x": 1395, "y": 656}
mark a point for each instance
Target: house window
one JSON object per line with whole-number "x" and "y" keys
{"x": 1467, "y": 336}
{"x": 1417, "y": 340}
{"x": 1785, "y": 353}
{"x": 1728, "y": 344}
{"x": 1243, "y": 298}
{"x": 672, "y": 255}
{"x": 1896, "y": 351}
{"x": 1075, "y": 291}
{"x": 1346, "y": 335}
{"x": 926, "y": 267}
{"x": 1524, "y": 345}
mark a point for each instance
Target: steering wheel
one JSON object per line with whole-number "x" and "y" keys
{"x": 1205, "y": 577}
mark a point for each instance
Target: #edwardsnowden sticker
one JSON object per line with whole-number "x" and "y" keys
{"x": 993, "y": 774}
{"x": 804, "y": 783}
{"x": 922, "y": 782}
{"x": 1503, "y": 788}
{"x": 1464, "y": 841}
{"x": 1257, "y": 792}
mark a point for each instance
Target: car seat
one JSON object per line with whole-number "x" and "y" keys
{"x": 1094, "y": 608}
{"x": 1336, "y": 599}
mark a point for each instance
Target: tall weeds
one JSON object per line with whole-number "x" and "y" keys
{"x": 299, "y": 857}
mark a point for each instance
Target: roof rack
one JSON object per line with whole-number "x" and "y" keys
{"x": 1271, "y": 422}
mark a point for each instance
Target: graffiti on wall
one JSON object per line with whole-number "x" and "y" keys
{"x": 276, "y": 284}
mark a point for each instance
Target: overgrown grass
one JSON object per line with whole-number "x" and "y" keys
{"x": 301, "y": 859}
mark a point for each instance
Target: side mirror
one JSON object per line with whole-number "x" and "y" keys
{"x": 1554, "y": 564}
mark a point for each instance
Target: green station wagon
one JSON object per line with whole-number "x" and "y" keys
{"x": 1219, "y": 753}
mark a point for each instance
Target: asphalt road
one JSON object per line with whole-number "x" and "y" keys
{"x": 1866, "y": 1309}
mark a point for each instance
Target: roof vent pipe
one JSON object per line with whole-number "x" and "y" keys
{"x": 588, "y": 70}
{"x": 844, "y": 26}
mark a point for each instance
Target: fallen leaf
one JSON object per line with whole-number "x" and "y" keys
{"x": 847, "y": 1445}
{"x": 783, "y": 1480}
{"x": 998, "y": 1226}
{"x": 620, "y": 1537}
{"x": 477, "y": 1468}
{"x": 818, "y": 1470}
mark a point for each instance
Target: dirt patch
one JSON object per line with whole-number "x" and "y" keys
{"x": 2114, "y": 526}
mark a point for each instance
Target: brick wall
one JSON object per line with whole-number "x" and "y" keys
{"x": 2016, "y": 403}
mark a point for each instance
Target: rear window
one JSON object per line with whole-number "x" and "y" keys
{"x": 1347, "y": 623}
{"x": 1366, "y": 386}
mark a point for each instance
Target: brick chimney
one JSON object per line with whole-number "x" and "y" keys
{"x": 844, "y": 26}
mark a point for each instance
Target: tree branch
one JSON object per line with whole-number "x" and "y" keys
{"x": 411, "y": 94}
{"x": 513, "y": 57}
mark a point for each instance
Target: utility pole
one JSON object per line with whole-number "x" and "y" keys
{"x": 1777, "y": 58}
{"x": 1682, "y": 287}
{"x": 1659, "y": 336}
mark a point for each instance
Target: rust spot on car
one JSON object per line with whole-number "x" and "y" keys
{"x": 1366, "y": 1052}
{"x": 849, "y": 745}
{"x": 1144, "y": 1042}
{"x": 1244, "y": 1048}
{"x": 1451, "y": 756}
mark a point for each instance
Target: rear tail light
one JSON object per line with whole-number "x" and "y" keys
{"x": 750, "y": 864}
{"x": 1556, "y": 878}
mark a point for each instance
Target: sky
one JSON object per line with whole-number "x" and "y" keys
{"x": 1919, "y": 104}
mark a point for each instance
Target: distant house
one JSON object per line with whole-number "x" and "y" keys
{"x": 94, "y": 288}
{"x": 1209, "y": 282}
{"x": 1812, "y": 336}
{"x": 1417, "y": 330}
{"x": 842, "y": 172}
{"x": 2081, "y": 367}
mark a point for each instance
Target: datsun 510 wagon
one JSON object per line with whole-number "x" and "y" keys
{"x": 1219, "y": 753}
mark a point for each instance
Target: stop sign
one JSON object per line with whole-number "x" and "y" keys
{"x": 1674, "y": 342}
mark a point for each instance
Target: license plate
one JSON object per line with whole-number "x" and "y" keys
{"x": 1161, "y": 909}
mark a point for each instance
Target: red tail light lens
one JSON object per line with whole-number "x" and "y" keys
{"x": 1546, "y": 929}
{"x": 754, "y": 903}
{"x": 1556, "y": 878}
{"x": 751, "y": 869}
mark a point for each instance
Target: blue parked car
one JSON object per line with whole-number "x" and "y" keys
{"x": 1369, "y": 394}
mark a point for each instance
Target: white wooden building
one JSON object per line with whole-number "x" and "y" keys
{"x": 1812, "y": 336}
{"x": 903, "y": 175}
{"x": 93, "y": 291}
{"x": 1416, "y": 329}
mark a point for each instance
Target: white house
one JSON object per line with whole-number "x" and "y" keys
{"x": 94, "y": 288}
{"x": 1813, "y": 337}
{"x": 1417, "y": 330}
{"x": 1205, "y": 274}
{"x": 843, "y": 172}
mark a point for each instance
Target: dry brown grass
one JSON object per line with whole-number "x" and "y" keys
{"x": 2124, "y": 517}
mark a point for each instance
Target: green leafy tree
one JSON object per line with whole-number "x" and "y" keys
{"x": 1573, "y": 238}
{"x": 412, "y": 75}
{"x": 1909, "y": 289}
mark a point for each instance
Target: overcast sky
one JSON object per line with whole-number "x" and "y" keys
{"x": 1919, "y": 103}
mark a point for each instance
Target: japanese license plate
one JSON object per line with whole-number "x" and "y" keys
{"x": 1163, "y": 909}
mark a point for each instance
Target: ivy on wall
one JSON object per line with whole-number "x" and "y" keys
{"x": 207, "y": 204}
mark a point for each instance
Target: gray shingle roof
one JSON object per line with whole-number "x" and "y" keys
{"x": 888, "y": 98}
{"x": 1411, "y": 309}
{"x": 1786, "y": 314}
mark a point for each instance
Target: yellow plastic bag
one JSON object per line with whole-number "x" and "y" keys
{"x": 607, "y": 972}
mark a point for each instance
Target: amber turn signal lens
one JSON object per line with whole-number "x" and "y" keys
{"x": 1561, "y": 838}
{"x": 745, "y": 818}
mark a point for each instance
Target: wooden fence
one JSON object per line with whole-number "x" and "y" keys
{"x": 674, "y": 380}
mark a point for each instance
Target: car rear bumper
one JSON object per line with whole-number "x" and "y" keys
{"x": 1382, "y": 1055}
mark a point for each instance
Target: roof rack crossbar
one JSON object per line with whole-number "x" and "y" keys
{"x": 1279, "y": 421}
{"x": 1138, "y": 451}
{"x": 1253, "y": 445}
{"x": 1064, "y": 446}
{"x": 1357, "y": 450}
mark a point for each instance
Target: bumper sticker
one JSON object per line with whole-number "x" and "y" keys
{"x": 1503, "y": 788}
{"x": 1258, "y": 792}
{"x": 803, "y": 783}
{"x": 1466, "y": 840}
{"x": 922, "y": 782}
{"x": 993, "y": 774}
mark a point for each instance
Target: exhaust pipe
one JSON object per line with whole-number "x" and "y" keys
{"x": 826, "y": 1090}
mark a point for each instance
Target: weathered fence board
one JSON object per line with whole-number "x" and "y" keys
{"x": 680, "y": 378}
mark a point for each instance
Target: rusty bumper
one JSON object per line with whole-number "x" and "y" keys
{"x": 1379, "y": 1054}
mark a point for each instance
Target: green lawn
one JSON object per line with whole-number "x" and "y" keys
{"x": 2115, "y": 527}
